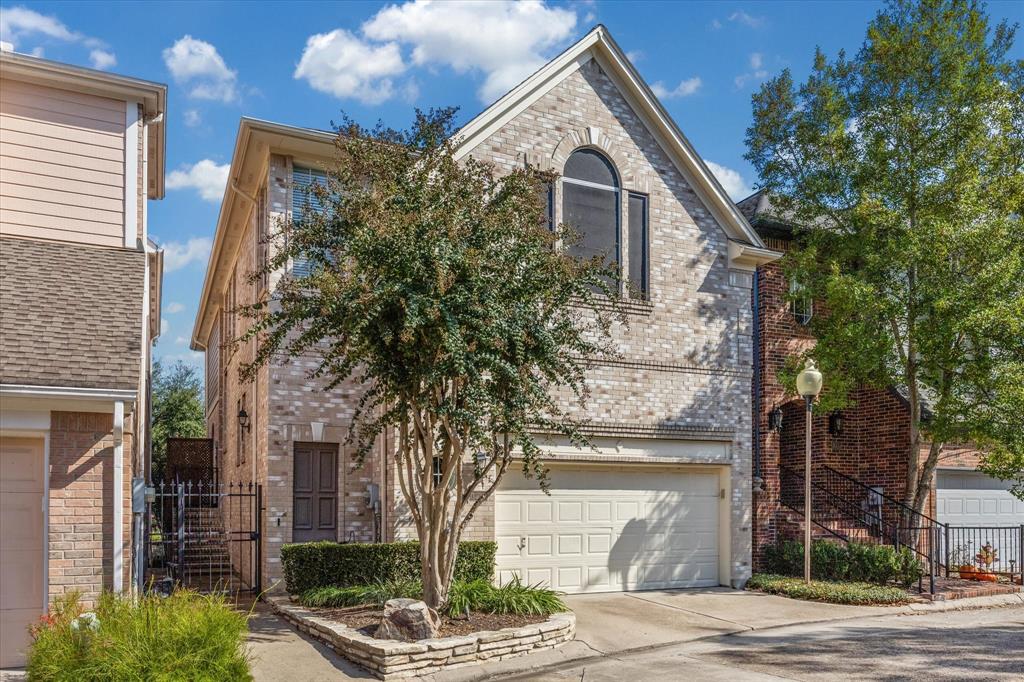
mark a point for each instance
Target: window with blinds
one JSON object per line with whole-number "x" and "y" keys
{"x": 304, "y": 199}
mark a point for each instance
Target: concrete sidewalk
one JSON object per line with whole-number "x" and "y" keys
{"x": 607, "y": 625}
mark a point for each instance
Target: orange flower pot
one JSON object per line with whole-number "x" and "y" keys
{"x": 985, "y": 577}
{"x": 966, "y": 571}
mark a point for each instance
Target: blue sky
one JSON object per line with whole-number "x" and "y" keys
{"x": 302, "y": 63}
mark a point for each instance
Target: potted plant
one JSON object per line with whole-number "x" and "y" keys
{"x": 961, "y": 558}
{"x": 985, "y": 557}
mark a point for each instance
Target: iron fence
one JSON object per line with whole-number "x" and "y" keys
{"x": 205, "y": 536}
{"x": 994, "y": 549}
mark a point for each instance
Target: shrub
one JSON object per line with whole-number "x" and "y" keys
{"x": 857, "y": 593}
{"x": 330, "y": 564}
{"x": 474, "y": 595}
{"x": 186, "y": 636}
{"x": 853, "y": 561}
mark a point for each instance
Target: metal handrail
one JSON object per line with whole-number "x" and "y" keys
{"x": 883, "y": 496}
{"x": 817, "y": 523}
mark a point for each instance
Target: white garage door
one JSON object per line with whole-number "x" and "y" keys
{"x": 609, "y": 529}
{"x": 970, "y": 498}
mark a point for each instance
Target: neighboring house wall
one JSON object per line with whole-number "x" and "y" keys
{"x": 62, "y": 165}
{"x": 79, "y": 309}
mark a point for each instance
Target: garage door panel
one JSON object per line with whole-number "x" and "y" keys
{"x": 610, "y": 530}
{"x": 971, "y": 498}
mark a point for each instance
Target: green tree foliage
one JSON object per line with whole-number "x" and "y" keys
{"x": 436, "y": 285}
{"x": 177, "y": 409}
{"x": 905, "y": 167}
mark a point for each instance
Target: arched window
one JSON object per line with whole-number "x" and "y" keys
{"x": 590, "y": 204}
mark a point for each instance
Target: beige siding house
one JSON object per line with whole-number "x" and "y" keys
{"x": 665, "y": 501}
{"x": 81, "y": 153}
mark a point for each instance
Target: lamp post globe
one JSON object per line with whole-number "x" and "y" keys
{"x": 808, "y": 384}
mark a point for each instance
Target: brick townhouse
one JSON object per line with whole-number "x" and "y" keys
{"x": 866, "y": 442}
{"x": 666, "y": 500}
{"x": 81, "y": 153}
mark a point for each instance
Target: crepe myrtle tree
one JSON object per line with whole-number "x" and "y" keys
{"x": 904, "y": 169}
{"x": 438, "y": 286}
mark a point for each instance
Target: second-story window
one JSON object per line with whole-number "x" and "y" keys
{"x": 800, "y": 304}
{"x": 638, "y": 276}
{"x": 590, "y": 204}
{"x": 303, "y": 199}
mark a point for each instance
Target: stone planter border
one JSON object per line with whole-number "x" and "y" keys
{"x": 390, "y": 659}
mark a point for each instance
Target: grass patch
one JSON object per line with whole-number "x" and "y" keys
{"x": 186, "y": 636}
{"x": 860, "y": 594}
{"x": 476, "y": 595}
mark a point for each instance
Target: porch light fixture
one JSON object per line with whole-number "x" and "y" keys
{"x": 835, "y": 424}
{"x": 775, "y": 419}
{"x": 808, "y": 384}
{"x": 243, "y": 419}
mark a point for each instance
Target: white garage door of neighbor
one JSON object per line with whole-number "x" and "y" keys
{"x": 970, "y": 498}
{"x": 609, "y": 529}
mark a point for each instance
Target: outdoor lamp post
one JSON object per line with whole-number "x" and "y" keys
{"x": 808, "y": 384}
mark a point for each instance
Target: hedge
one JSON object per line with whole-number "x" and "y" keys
{"x": 330, "y": 564}
{"x": 853, "y": 561}
{"x": 861, "y": 594}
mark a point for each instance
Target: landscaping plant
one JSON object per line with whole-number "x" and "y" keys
{"x": 186, "y": 636}
{"x": 827, "y": 591}
{"x": 437, "y": 285}
{"x": 513, "y": 597}
{"x": 850, "y": 561}
{"x": 901, "y": 168}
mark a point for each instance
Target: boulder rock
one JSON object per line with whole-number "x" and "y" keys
{"x": 408, "y": 620}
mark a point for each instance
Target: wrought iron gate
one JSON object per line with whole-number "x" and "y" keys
{"x": 205, "y": 536}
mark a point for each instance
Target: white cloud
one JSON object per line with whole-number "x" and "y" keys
{"x": 735, "y": 186}
{"x": 741, "y": 17}
{"x": 20, "y": 23}
{"x": 174, "y": 307}
{"x": 757, "y": 71}
{"x": 180, "y": 341}
{"x": 164, "y": 326}
{"x": 102, "y": 59}
{"x": 177, "y": 255}
{"x": 192, "y": 118}
{"x": 342, "y": 65}
{"x": 716, "y": 24}
{"x": 206, "y": 177}
{"x": 684, "y": 89}
{"x": 635, "y": 55}
{"x": 197, "y": 64}
{"x": 505, "y": 40}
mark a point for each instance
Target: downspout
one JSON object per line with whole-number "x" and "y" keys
{"x": 118, "y": 496}
{"x": 758, "y": 482}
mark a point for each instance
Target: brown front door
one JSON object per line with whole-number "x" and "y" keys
{"x": 315, "y": 492}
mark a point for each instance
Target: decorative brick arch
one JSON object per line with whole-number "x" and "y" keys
{"x": 595, "y": 138}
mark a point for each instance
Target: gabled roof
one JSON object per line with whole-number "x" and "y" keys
{"x": 599, "y": 45}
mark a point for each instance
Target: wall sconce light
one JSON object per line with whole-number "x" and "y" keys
{"x": 243, "y": 419}
{"x": 835, "y": 424}
{"x": 481, "y": 459}
{"x": 775, "y": 419}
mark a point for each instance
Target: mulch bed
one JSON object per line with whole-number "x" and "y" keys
{"x": 366, "y": 620}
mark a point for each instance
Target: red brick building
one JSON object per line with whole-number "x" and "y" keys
{"x": 866, "y": 442}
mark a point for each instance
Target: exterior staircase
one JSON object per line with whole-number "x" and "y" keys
{"x": 206, "y": 552}
{"x": 845, "y": 509}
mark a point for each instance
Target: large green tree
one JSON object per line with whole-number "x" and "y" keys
{"x": 436, "y": 284}
{"x": 904, "y": 165}
{"x": 177, "y": 410}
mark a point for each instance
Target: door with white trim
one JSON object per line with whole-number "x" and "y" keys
{"x": 22, "y": 485}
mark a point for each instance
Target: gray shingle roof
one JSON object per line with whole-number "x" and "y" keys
{"x": 70, "y": 315}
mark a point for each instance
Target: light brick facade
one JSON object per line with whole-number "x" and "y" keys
{"x": 684, "y": 369}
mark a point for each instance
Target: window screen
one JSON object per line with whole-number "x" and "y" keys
{"x": 590, "y": 204}
{"x": 638, "y": 246}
